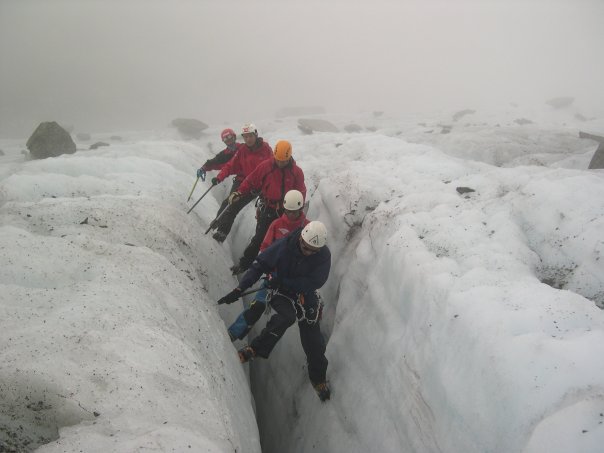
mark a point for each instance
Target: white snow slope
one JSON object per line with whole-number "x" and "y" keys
{"x": 456, "y": 322}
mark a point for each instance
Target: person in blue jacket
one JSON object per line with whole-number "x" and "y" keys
{"x": 297, "y": 266}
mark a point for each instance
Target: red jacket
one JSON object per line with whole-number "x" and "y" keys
{"x": 220, "y": 159}
{"x": 246, "y": 159}
{"x": 274, "y": 182}
{"x": 281, "y": 227}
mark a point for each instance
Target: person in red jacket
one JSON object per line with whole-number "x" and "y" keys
{"x": 273, "y": 178}
{"x": 293, "y": 218}
{"x": 249, "y": 155}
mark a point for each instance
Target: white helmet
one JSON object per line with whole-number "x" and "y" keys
{"x": 315, "y": 234}
{"x": 293, "y": 200}
{"x": 249, "y": 128}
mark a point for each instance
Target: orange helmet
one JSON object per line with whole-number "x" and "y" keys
{"x": 283, "y": 150}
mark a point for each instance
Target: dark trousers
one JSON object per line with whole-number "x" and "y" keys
{"x": 312, "y": 340}
{"x": 264, "y": 218}
{"x": 225, "y": 223}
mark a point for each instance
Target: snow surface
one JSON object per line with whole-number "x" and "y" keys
{"x": 455, "y": 322}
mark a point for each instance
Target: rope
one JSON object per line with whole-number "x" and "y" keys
{"x": 298, "y": 306}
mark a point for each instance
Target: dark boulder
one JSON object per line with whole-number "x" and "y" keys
{"x": 597, "y": 138}
{"x": 461, "y": 190}
{"x": 462, "y": 113}
{"x": 189, "y": 127}
{"x": 561, "y": 102}
{"x": 50, "y": 140}
{"x": 597, "y": 161}
{"x": 310, "y": 125}
{"x": 353, "y": 128}
{"x": 98, "y": 145}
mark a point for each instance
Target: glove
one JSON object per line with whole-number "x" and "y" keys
{"x": 201, "y": 173}
{"x": 215, "y": 181}
{"x": 273, "y": 282}
{"x": 231, "y": 297}
{"x": 234, "y": 197}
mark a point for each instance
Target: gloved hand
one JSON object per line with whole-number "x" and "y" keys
{"x": 215, "y": 181}
{"x": 231, "y": 297}
{"x": 234, "y": 197}
{"x": 201, "y": 173}
{"x": 273, "y": 282}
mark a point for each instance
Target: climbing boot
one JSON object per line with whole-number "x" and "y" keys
{"x": 246, "y": 354}
{"x": 323, "y": 391}
{"x": 219, "y": 236}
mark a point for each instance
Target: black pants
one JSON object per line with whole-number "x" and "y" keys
{"x": 312, "y": 340}
{"x": 225, "y": 223}
{"x": 264, "y": 218}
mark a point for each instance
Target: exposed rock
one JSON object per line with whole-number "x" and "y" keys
{"x": 189, "y": 127}
{"x": 591, "y": 136}
{"x": 83, "y": 136}
{"x": 522, "y": 121}
{"x": 98, "y": 145}
{"x": 305, "y": 130}
{"x": 50, "y": 140}
{"x": 458, "y": 115}
{"x": 353, "y": 128}
{"x": 297, "y": 111}
{"x": 597, "y": 161}
{"x": 316, "y": 125}
{"x": 445, "y": 128}
{"x": 560, "y": 102}
{"x": 462, "y": 190}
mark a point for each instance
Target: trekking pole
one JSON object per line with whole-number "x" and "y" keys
{"x": 251, "y": 291}
{"x": 214, "y": 222}
{"x": 194, "y": 184}
{"x": 200, "y": 198}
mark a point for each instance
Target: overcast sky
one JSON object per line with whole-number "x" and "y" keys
{"x": 115, "y": 65}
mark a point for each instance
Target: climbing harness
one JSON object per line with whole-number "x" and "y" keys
{"x": 310, "y": 315}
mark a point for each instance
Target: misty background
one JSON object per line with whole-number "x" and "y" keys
{"x": 118, "y": 65}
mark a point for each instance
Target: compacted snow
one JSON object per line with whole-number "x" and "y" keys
{"x": 457, "y": 320}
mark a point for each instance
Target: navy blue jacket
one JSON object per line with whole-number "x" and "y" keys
{"x": 299, "y": 274}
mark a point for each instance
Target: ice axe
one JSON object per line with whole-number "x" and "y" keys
{"x": 214, "y": 222}
{"x": 200, "y": 198}
{"x": 251, "y": 291}
{"x": 194, "y": 185}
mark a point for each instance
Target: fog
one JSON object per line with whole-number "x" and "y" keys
{"x": 117, "y": 65}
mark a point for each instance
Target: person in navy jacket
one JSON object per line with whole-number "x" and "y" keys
{"x": 298, "y": 265}
{"x": 292, "y": 219}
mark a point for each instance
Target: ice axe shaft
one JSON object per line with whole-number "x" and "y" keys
{"x": 251, "y": 291}
{"x": 247, "y": 293}
{"x": 194, "y": 185}
{"x": 200, "y": 198}
{"x": 214, "y": 222}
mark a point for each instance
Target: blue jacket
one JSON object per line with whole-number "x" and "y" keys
{"x": 299, "y": 274}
